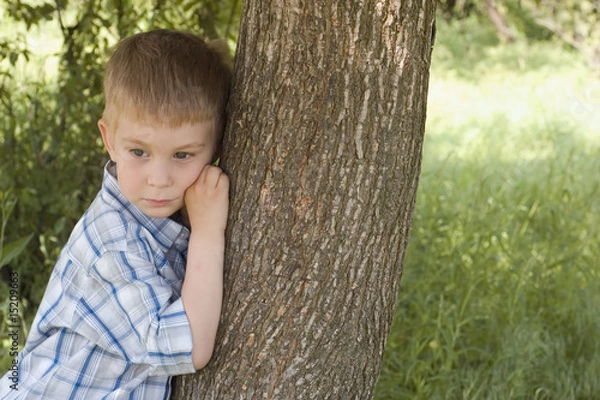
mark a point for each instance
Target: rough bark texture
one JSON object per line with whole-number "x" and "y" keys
{"x": 323, "y": 150}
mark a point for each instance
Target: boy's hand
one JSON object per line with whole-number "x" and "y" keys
{"x": 207, "y": 200}
{"x": 207, "y": 203}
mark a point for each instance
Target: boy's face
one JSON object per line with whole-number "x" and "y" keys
{"x": 156, "y": 164}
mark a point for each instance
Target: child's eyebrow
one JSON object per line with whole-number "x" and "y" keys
{"x": 187, "y": 146}
{"x": 138, "y": 142}
{"x": 194, "y": 145}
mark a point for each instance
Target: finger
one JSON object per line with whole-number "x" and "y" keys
{"x": 223, "y": 181}
{"x": 214, "y": 176}
{"x": 204, "y": 176}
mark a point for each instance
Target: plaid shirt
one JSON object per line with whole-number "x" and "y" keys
{"x": 111, "y": 324}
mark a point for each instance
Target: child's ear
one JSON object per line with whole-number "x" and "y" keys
{"x": 106, "y": 137}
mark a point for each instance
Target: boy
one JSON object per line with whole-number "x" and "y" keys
{"x": 135, "y": 296}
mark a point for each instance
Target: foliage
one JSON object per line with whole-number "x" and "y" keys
{"x": 51, "y": 155}
{"x": 574, "y": 22}
{"x": 500, "y": 292}
{"x": 9, "y": 251}
{"x": 453, "y": 9}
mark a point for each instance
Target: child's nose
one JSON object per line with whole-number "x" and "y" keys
{"x": 159, "y": 175}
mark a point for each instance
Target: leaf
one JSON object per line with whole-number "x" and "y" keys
{"x": 13, "y": 249}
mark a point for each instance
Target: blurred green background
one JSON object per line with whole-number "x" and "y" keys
{"x": 500, "y": 295}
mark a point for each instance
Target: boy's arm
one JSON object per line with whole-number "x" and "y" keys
{"x": 207, "y": 202}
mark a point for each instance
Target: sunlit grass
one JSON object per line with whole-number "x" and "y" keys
{"x": 500, "y": 292}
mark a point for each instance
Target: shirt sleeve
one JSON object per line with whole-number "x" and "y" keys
{"x": 128, "y": 309}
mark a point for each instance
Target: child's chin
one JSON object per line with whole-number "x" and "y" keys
{"x": 163, "y": 213}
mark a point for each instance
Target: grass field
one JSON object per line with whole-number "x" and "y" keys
{"x": 500, "y": 295}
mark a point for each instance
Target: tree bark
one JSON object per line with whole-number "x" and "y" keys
{"x": 323, "y": 149}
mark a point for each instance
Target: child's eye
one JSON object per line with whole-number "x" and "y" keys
{"x": 182, "y": 155}
{"x": 138, "y": 152}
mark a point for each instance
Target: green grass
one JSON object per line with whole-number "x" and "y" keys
{"x": 500, "y": 294}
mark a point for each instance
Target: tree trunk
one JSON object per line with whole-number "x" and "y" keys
{"x": 323, "y": 149}
{"x": 497, "y": 19}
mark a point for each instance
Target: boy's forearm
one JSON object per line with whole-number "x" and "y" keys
{"x": 202, "y": 292}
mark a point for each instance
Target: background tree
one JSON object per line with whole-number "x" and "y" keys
{"x": 576, "y": 23}
{"x": 498, "y": 21}
{"x": 323, "y": 149}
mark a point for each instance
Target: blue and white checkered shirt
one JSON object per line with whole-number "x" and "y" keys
{"x": 111, "y": 324}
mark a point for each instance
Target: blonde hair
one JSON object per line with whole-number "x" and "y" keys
{"x": 168, "y": 77}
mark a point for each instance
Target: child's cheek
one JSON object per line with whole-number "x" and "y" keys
{"x": 191, "y": 178}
